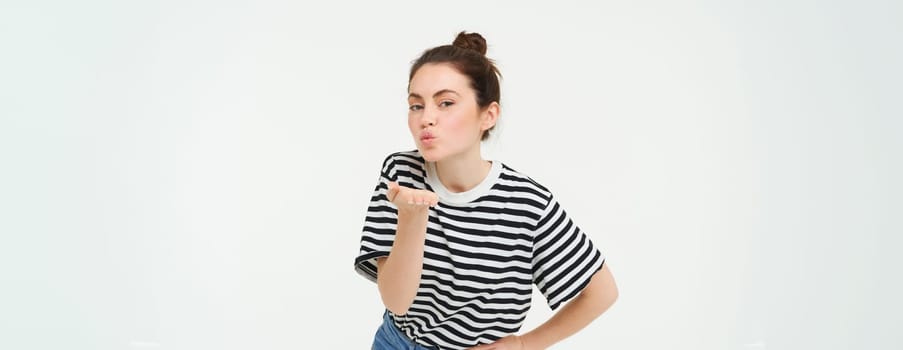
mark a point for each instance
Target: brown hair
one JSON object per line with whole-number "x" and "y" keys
{"x": 467, "y": 54}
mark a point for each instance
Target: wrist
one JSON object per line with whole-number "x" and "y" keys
{"x": 413, "y": 214}
{"x": 523, "y": 343}
{"x": 530, "y": 341}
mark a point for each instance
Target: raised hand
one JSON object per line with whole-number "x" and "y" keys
{"x": 411, "y": 199}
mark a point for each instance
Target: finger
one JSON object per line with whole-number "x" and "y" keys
{"x": 426, "y": 197}
{"x": 392, "y": 191}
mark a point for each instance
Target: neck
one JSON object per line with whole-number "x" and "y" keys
{"x": 464, "y": 171}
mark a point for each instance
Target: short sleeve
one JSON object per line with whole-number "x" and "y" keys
{"x": 380, "y": 223}
{"x": 564, "y": 258}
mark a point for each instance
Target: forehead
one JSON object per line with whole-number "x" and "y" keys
{"x": 433, "y": 77}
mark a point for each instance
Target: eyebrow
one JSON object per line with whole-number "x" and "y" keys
{"x": 440, "y": 92}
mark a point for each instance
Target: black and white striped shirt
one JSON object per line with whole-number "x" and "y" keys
{"x": 484, "y": 250}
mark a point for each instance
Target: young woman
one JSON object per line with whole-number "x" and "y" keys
{"x": 455, "y": 242}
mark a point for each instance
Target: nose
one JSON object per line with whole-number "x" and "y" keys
{"x": 428, "y": 118}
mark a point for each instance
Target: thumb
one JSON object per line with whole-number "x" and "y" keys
{"x": 393, "y": 190}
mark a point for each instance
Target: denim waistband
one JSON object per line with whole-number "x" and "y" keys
{"x": 401, "y": 336}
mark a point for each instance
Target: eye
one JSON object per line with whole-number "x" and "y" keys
{"x": 446, "y": 103}
{"x": 415, "y": 107}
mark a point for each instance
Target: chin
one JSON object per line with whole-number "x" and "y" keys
{"x": 430, "y": 155}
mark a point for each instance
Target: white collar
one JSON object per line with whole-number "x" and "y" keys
{"x": 432, "y": 178}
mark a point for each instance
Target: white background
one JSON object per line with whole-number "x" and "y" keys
{"x": 194, "y": 174}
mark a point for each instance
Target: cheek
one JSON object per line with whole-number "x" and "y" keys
{"x": 467, "y": 126}
{"x": 462, "y": 123}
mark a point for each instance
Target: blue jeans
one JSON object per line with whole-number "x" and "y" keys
{"x": 389, "y": 337}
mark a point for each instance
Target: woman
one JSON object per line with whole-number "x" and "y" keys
{"x": 455, "y": 242}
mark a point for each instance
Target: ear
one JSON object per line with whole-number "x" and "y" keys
{"x": 489, "y": 116}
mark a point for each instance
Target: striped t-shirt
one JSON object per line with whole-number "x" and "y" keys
{"x": 484, "y": 250}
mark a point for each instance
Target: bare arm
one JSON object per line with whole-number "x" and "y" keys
{"x": 398, "y": 275}
{"x": 596, "y": 297}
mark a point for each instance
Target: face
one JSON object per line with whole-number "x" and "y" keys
{"x": 443, "y": 114}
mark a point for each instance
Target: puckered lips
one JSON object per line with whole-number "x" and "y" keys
{"x": 427, "y": 137}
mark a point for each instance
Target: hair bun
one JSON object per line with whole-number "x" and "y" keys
{"x": 470, "y": 41}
